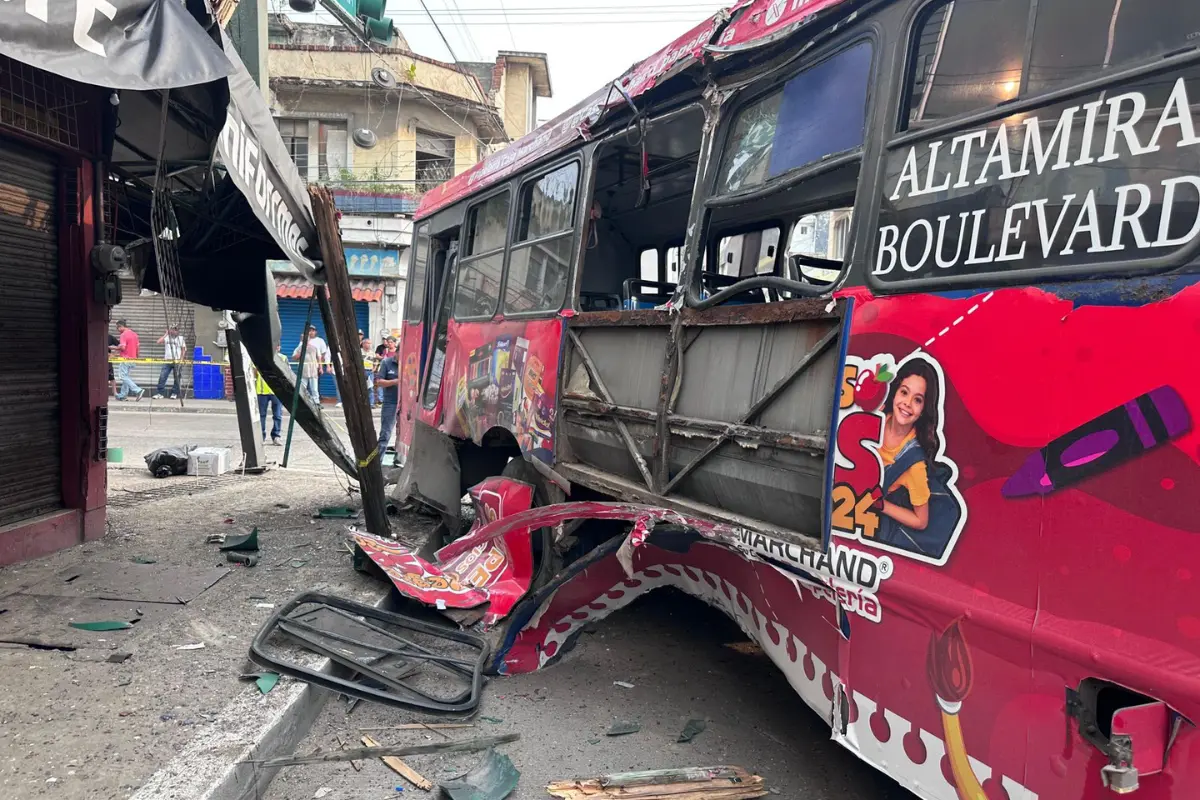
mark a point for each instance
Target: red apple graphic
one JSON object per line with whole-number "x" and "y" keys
{"x": 871, "y": 388}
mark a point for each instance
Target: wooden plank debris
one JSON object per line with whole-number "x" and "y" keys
{"x": 400, "y": 768}
{"x": 468, "y": 746}
{"x": 695, "y": 783}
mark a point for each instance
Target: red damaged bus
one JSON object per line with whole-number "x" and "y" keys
{"x": 873, "y": 324}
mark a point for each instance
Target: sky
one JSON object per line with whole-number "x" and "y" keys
{"x": 588, "y": 42}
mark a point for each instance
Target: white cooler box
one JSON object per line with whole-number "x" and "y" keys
{"x": 208, "y": 461}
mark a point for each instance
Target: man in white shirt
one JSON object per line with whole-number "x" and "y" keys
{"x": 318, "y": 355}
{"x": 173, "y": 345}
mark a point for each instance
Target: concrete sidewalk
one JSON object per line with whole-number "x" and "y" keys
{"x": 166, "y": 722}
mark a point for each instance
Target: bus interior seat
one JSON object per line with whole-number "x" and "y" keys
{"x": 638, "y": 293}
{"x": 599, "y": 301}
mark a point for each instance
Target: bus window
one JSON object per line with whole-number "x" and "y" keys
{"x": 970, "y": 54}
{"x": 418, "y": 264}
{"x": 649, "y": 264}
{"x": 748, "y": 254}
{"x": 1104, "y": 180}
{"x": 641, "y": 201}
{"x": 539, "y": 266}
{"x": 482, "y": 262}
{"x": 818, "y": 113}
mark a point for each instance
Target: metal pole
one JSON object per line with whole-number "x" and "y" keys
{"x": 299, "y": 379}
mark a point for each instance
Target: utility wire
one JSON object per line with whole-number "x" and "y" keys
{"x": 470, "y": 78}
{"x": 511, "y": 38}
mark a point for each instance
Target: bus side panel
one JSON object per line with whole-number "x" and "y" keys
{"x": 503, "y": 375}
{"x": 1062, "y": 537}
{"x": 411, "y": 336}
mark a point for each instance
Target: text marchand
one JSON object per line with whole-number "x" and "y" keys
{"x": 841, "y": 562}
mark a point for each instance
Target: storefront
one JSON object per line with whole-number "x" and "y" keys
{"x": 52, "y": 415}
{"x": 294, "y": 300}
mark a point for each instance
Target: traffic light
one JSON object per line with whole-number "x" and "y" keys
{"x": 365, "y": 18}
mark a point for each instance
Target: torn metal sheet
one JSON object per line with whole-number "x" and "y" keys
{"x": 144, "y": 583}
{"x": 473, "y": 571}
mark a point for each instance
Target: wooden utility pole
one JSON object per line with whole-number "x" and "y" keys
{"x": 342, "y": 330}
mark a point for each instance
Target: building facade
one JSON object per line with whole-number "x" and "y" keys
{"x": 381, "y": 128}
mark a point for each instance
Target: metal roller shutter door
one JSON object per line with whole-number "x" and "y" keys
{"x": 30, "y": 426}
{"x": 147, "y": 316}
{"x": 292, "y": 313}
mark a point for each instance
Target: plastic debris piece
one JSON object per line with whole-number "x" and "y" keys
{"x": 102, "y": 625}
{"x": 242, "y": 544}
{"x": 266, "y": 681}
{"x": 144, "y": 560}
{"x": 297, "y": 563}
{"x": 622, "y": 727}
{"x": 264, "y": 605}
{"x": 215, "y": 538}
{"x": 324, "y": 791}
{"x": 492, "y": 720}
{"x": 197, "y": 646}
{"x": 494, "y": 778}
{"x": 623, "y": 684}
{"x": 245, "y": 559}
{"x": 693, "y": 729}
{"x": 711, "y": 783}
{"x": 119, "y": 658}
{"x": 337, "y": 512}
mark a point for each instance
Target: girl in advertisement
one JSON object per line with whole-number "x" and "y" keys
{"x": 920, "y": 513}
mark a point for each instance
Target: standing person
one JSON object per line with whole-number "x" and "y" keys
{"x": 388, "y": 379}
{"x": 314, "y": 362}
{"x": 127, "y": 348}
{"x": 113, "y": 344}
{"x": 267, "y": 399}
{"x": 173, "y": 344}
{"x": 368, "y": 360}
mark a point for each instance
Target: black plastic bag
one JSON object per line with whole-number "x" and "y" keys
{"x": 168, "y": 461}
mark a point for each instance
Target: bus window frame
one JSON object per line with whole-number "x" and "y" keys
{"x": 408, "y": 289}
{"x": 514, "y": 220}
{"x": 898, "y": 138}
{"x": 879, "y": 109}
{"x": 591, "y": 155}
{"x": 503, "y": 188}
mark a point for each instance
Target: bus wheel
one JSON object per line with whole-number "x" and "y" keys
{"x": 546, "y": 561}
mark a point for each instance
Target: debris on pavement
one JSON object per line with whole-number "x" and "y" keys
{"x": 242, "y": 559}
{"x": 144, "y": 560}
{"x": 695, "y": 783}
{"x": 324, "y": 791}
{"x": 197, "y": 646}
{"x": 216, "y": 538}
{"x": 623, "y": 684}
{"x": 264, "y": 680}
{"x": 337, "y": 512}
{"x": 379, "y": 651}
{"x": 400, "y": 768}
{"x": 416, "y": 726}
{"x": 118, "y": 658}
{"x": 101, "y": 626}
{"x": 693, "y": 729}
{"x": 493, "y": 778}
{"x": 241, "y": 544}
{"x": 623, "y": 727}
{"x": 467, "y": 746}
{"x": 168, "y": 461}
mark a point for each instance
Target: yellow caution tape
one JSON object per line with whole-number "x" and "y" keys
{"x": 366, "y": 463}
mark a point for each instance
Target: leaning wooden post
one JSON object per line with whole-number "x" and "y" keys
{"x": 342, "y": 329}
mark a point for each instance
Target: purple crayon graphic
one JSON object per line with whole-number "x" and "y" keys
{"x": 1110, "y": 439}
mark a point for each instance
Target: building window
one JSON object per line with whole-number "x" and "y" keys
{"x": 435, "y": 159}
{"x": 295, "y": 138}
{"x": 333, "y": 145}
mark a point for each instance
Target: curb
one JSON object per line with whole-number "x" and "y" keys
{"x": 213, "y": 766}
{"x": 124, "y": 409}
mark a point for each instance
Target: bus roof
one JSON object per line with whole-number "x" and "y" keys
{"x": 751, "y": 23}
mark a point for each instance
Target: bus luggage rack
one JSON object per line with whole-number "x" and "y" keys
{"x": 390, "y": 658}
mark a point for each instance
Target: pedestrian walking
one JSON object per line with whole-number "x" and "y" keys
{"x": 268, "y": 400}
{"x": 388, "y": 379}
{"x": 314, "y": 361}
{"x": 127, "y": 349}
{"x": 173, "y": 345}
{"x": 113, "y": 344}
